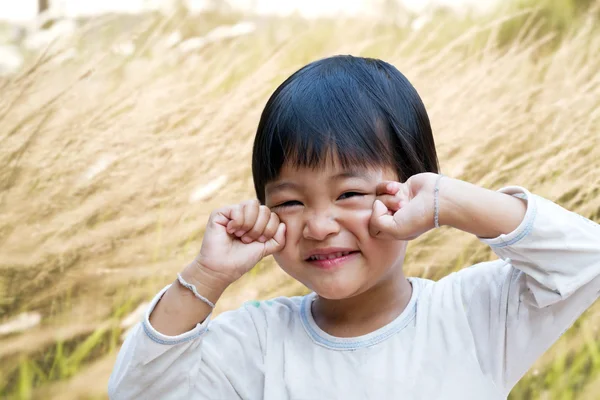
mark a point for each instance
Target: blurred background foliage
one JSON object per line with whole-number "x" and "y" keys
{"x": 120, "y": 133}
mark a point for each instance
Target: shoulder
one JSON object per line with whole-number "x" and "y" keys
{"x": 488, "y": 276}
{"x": 254, "y": 319}
{"x": 280, "y": 309}
{"x": 487, "y": 273}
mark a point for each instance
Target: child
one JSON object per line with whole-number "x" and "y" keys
{"x": 345, "y": 171}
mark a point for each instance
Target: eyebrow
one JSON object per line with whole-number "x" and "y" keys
{"x": 338, "y": 177}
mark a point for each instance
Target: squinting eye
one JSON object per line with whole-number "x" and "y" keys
{"x": 289, "y": 204}
{"x": 348, "y": 195}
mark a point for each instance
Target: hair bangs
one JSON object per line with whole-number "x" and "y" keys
{"x": 320, "y": 121}
{"x": 321, "y": 130}
{"x": 354, "y": 111}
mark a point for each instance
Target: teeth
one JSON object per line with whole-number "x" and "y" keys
{"x": 319, "y": 257}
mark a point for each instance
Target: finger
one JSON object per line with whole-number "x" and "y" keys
{"x": 236, "y": 215}
{"x": 270, "y": 229}
{"x": 220, "y": 216}
{"x": 277, "y": 242}
{"x": 250, "y": 210}
{"x": 387, "y": 187}
{"x": 393, "y": 203}
{"x": 403, "y": 191}
{"x": 381, "y": 223}
{"x": 259, "y": 226}
{"x": 413, "y": 219}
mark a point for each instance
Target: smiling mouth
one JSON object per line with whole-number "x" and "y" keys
{"x": 332, "y": 261}
{"x": 332, "y": 256}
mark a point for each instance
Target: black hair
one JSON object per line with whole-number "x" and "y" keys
{"x": 361, "y": 110}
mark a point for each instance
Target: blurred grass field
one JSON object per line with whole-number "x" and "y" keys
{"x": 110, "y": 165}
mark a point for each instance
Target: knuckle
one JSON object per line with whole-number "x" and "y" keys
{"x": 264, "y": 209}
{"x": 271, "y": 229}
{"x": 237, "y": 217}
{"x": 254, "y": 230}
{"x": 247, "y": 225}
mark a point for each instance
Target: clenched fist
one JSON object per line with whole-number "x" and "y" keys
{"x": 237, "y": 237}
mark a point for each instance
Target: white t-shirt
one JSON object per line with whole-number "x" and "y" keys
{"x": 470, "y": 335}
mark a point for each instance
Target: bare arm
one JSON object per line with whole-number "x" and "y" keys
{"x": 178, "y": 311}
{"x": 482, "y": 212}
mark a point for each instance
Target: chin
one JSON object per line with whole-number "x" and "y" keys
{"x": 336, "y": 292}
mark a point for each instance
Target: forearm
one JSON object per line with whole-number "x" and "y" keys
{"x": 482, "y": 212}
{"x": 179, "y": 311}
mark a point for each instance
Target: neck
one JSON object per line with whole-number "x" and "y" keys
{"x": 367, "y": 311}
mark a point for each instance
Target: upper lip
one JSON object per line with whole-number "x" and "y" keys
{"x": 327, "y": 250}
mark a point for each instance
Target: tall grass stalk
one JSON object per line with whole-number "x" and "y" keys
{"x": 99, "y": 156}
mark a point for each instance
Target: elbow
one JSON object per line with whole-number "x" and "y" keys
{"x": 112, "y": 389}
{"x": 115, "y": 385}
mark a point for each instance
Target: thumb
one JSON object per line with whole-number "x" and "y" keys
{"x": 381, "y": 222}
{"x": 277, "y": 242}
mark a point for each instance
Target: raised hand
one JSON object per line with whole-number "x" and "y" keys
{"x": 237, "y": 237}
{"x": 404, "y": 211}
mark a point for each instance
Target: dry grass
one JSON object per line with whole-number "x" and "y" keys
{"x": 99, "y": 158}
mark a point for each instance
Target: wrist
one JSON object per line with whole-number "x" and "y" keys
{"x": 206, "y": 282}
{"x": 436, "y": 201}
{"x": 481, "y": 212}
{"x": 449, "y": 211}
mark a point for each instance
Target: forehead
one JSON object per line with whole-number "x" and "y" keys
{"x": 292, "y": 176}
{"x": 329, "y": 172}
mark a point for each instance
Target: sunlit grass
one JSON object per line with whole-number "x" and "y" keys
{"x": 99, "y": 158}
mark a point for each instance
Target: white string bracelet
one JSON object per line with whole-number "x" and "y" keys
{"x": 436, "y": 201}
{"x": 194, "y": 290}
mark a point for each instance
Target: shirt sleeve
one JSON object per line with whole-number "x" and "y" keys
{"x": 547, "y": 276}
{"x": 220, "y": 359}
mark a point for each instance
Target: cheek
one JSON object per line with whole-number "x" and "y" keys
{"x": 293, "y": 233}
{"x": 357, "y": 222}
{"x": 288, "y": 261}
{"x": 293, "y": 228}
{"x": 389, "y": 249}
{"x": 381, "y": 249}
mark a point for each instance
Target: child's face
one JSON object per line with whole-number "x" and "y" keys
{"x": 328, "y": 210}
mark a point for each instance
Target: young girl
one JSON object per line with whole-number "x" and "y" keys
{"x": 346, "y": 173}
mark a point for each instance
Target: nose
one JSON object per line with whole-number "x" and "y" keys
{"x": 320, "y": 225}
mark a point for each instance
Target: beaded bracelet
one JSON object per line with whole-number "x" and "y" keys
{"x": 436, "y": 201}
{"x": 194, "y": 290}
